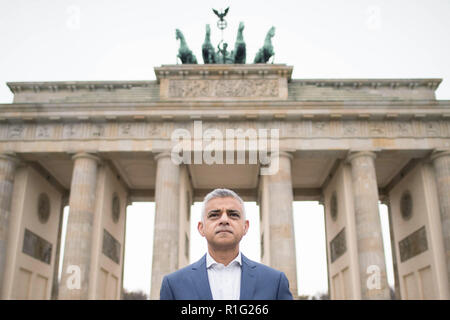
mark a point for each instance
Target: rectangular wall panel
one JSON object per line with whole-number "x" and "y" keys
{"x": 102, "y": 282}
{"x": 412, "y": 292}
{"x": 23, "y": 284}
{"x": 112, "y": 288}
{"x": 337, "y": 288}
{"x": 426, "y": 281}
{"x": 39, "y": 288}
{"x": 347, "y": 283}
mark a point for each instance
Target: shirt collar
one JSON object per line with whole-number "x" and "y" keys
{"x": 210, "y": 261}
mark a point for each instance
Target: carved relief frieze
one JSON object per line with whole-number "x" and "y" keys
{"x": 223, "y": 88}
{"x": 320, "y": 129}
{"x": 16, "y": 131}
{"x": 445, "y": 127}
{"x": 154, "y": 130}
{"x": 401, "y": 129}
{"x": 126, "y": 129}
{"x": 44, "y": 131}
{"x": 3, "y": 131}
{"x": 432, "y": 128}
{"x": 164, "y": 129}
{"x": 351, "y": 128}
{"x": 97, "y": 130}
{"x": 294, "y": 129}
{"x": 377, "y": 129}
{"x": 72, "y": 131}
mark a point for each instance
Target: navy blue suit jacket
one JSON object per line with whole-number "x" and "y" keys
{"x": 258, "y": 282}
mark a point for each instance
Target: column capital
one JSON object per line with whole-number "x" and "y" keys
{"x": 355, "y": 154}
{"x": 87, "y": 156}
{"x": 128, "y": 200}
{"x": 10, "y": 156}
{"x": 163, "y": 154}
{"x": 282, "y": 154}
{"x": 439, "y": 153}
{"x": 386, "y": 201}
{"x": 322, "y": 200}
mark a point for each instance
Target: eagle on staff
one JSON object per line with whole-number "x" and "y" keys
{"x": 221, "y": 15}
{"x": 222, "y": 55}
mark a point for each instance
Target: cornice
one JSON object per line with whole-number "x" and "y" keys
{"x": 429, "y": 83}
{"x": 223, "y": 111}
{"x": 222, "y": 71}
{"x": 72, "y": 86}
{"x": 205, "y": 71}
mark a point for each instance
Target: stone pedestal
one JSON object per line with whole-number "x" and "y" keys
{"x": 77, "y": 253}
{"x": 441, "y": 162}
{"x": 224, "y": 82}
{"x": 8, "y": 164}
{"x": 372, "y": 266}
{"x": 165, "y": 243}
{"x": 281, "y": 225}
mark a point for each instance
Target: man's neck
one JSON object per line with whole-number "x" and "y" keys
{"x": 224, "y": 256}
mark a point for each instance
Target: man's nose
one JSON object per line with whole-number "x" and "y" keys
{"x": 223, "y": 217}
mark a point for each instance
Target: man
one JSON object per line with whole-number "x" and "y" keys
{"x": 224, "y": 273}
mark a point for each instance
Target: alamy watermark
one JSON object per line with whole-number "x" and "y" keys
{"x": 374, "y": 279}
{"x": 373, "y": 19}
{"x": 73, "y": 21}
{"x": 212, "y": 146}
{"x": 73, "y": 281}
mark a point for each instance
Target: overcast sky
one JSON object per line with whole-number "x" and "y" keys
{"x": 48, "y": 40}
{"x": 44, "y": 40}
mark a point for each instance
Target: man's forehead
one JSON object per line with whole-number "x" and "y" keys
{"x": 227, "y": 202}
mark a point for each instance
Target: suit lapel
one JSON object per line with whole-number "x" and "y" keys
{"x": 248, "y": 279}
{"x": 200, "y": 280}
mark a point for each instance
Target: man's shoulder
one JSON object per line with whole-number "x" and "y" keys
{"x": 181, "y": 273}
{"x": 271, "y": 283}
{"x": 263, "y": 269}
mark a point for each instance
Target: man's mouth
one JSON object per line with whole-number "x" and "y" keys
{"x": 228, "y": 231}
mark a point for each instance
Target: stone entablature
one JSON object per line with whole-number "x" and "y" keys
{"x": 363, "y": 89}
{"x": 262, "y": 110}
{"x": 144, "y": 130}
{"x": 227, "y": 71}
{"x": 84, "y": 91}
{"x": 257, "y": 82}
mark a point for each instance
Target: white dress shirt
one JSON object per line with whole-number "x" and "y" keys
{"x": 224, "y": 281}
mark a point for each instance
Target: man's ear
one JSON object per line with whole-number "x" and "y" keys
{"x": 246, "y": 226}
{"x": 200, "y": 228}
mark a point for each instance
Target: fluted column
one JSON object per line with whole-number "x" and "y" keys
{"x": 281, "y": 221}
{"x": 8, "y": 164}
{"x": 165, "y": 243}
{"x": 75, "y": 280}
{"x": 441, "y": 162}
{"x": 394, "y": 252}
{"x": 372, "y": 265}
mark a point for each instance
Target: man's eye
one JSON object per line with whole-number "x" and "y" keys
{"x": 212, "y": 215}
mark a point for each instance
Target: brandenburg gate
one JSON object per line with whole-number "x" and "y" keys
{"x": 348, "y": 143}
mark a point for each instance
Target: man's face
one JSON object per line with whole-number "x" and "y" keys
{"x": 224, "y": 224}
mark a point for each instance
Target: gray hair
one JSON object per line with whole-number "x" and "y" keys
{"x": 221, "y": 193}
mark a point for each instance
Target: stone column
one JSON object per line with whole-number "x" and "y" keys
{"x": 441, "y": 162}
{"x": 75, "y": 280}
{"x": 165, "y": 243}
{"x": 372, "y": 266}
{"x": 265, "y": 223}
{"x": 394, "y": 252}
{"x": 281, "y": 221}
{"x": 8, "y": 164}
{"x": 55, "y": 285}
